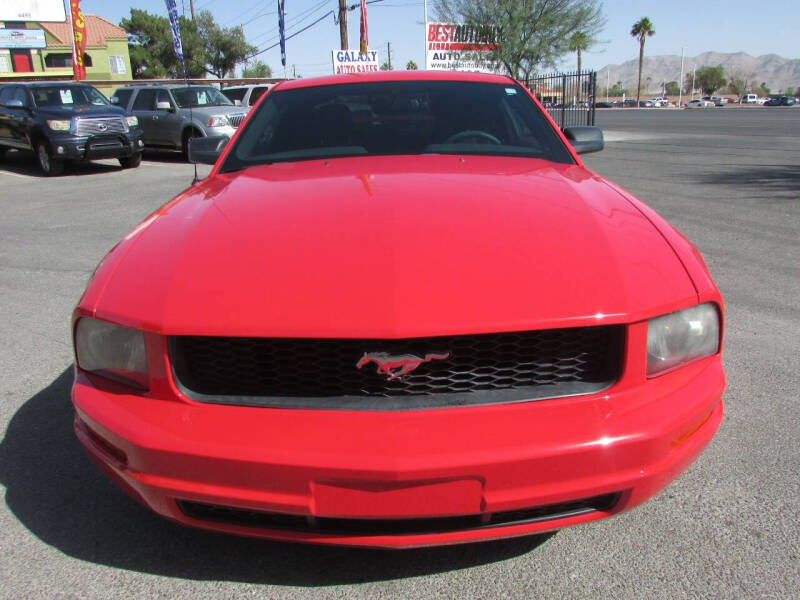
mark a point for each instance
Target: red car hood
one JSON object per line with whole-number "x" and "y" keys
{"x": 393, "y": 247}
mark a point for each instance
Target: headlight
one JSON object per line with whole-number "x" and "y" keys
{"x": 58, "y": 125}
{"x": 218, "y": 121}
{"x": 132, "y": 121}
{"x": 111, "y": 351}
{"x": 681, "y": 337}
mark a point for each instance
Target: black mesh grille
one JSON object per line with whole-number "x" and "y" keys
{"x": 559, "y": 362}
{"x": 280, "y": 521}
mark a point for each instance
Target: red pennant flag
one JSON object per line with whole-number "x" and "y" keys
{"x": 364, "y": 46}
{"x": 79, "y": 31}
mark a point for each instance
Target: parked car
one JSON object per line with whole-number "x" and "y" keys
{"x": 399, "y": 311}
{"x": 65, "y": 121}
{"x": 749, "y": 99}
{"x": 716, "y": 101}
{"x": 699, "y": 103}
{"x": 660, "y": 101}
{"x": 646, "y": 104}
{"x": 246, "y": 95}
{"x": 604, "y": 105}
{"x": 171, "y": 114}
{"x": 780, "y": 101}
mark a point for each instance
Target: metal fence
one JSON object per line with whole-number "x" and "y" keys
{"x": 568, "y": 97}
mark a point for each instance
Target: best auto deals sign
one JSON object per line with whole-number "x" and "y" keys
{"x": 350, "y": 61}
{"x": 453, "y": 47}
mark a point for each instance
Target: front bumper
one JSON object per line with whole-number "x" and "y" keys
{"x": 96, "y": 147}
{"x": 285, "y": 468}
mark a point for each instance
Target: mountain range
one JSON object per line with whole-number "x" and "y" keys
{"x": 777, "y": 72}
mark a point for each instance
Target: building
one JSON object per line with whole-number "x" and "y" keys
{"x": 30, "y": 50}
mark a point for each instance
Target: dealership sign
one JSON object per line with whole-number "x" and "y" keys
{"x": 22, "y": 38}
{"x": 33, "y": 10}
{"x": 453, "y": 47}
{"x": 350, "y": 61}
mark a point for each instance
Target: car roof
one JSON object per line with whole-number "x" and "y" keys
{"x": 394, "y": 76}
{"x": 246, "y": 86}
{"x": 46, "y": 83}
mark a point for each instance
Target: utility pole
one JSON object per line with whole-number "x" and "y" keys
{"x": 191, "y": 8}
{"x": 680, "y": 81}
{"x": 389, "y": 54}
{"x": 343, "y": 24}
{"x": 694, "y": 73}
{"x": 294, "y": 71}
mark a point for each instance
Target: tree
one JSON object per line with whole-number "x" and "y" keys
{"x": 739, "y": 83}
{"x": 385, "y": 67}
{"x": 578, "y": 43}
{"x": 763, "y": 89}
{"x": 642, "y": 29}
{"x": 225, "y": 47}
{"x": 532, "y": 34}
{"x": 672, "y": 88}
{"x": 708, "y": 79}
{"x": 411, "y": 66}
{"x": 151, "y": 50}
{"x": 257, "y": 70}
{"x": 617, "y": 90}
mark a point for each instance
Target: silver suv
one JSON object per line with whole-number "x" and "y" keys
{"x": 171, "y": 114}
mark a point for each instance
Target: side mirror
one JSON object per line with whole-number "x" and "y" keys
{"x": 114, "y": 100}
{"x": 163, "y": 105}
{"x": 206, "y": 150}
{"x": 237, "y": 102}
{"x": 585, "y": 139}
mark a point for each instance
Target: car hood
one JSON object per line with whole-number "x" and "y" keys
{"x": 392, "y": 247}
{"x": 67, "y": 112}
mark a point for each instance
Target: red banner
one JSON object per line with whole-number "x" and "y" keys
{"x": 364, "y": 45}
{"x": 79, "y": 31}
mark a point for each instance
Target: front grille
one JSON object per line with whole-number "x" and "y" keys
{"x": 236, "y": 120}
{"x": 465, "y": 369}
{"x": 285, "y": 522}
{"x": 100, "y": 126}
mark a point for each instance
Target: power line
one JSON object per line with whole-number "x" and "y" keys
{"x": 288, "y": 37}
{"x": 293, "y": 22}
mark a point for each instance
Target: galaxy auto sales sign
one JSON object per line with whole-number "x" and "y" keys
{"x": 453, "y": 47}
{"x": 350, "y": 61}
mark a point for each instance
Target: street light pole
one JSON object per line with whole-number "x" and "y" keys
{"x": 425, "y": 36}
{"x": 680, "y": 81}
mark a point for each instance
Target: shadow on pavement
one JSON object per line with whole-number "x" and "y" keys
{"x": 770, "y": 178}
{"x": 24, "y": 163}
{"x": 59, "y": 495}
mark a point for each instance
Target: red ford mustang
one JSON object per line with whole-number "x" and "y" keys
{"x": 398, "y": 312}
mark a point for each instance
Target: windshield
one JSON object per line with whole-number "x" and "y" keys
{"x": 396, "y": 117}
{"x": 199, "y": 96}
{"x": 67, "y": 96}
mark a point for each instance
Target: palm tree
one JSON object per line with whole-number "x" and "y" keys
{"x": 641, "y": 29}
{"x": 578, "y": 43}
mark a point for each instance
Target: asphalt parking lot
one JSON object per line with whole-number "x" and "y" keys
{"x": 727, "y": 528}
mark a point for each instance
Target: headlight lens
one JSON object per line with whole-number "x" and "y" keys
{"x": 681, "y": 337}
{"x": 132, "y": 121}
{"x": 218, "y": 121}
{"x": 112, "y": 351}
{"x": 58, "y": 125}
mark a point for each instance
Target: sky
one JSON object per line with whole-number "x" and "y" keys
{"x": 749, "y": 26}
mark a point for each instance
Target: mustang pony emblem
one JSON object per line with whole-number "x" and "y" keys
{"x": 395, "y": 366}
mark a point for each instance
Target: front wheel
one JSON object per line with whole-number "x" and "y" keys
{"x": 132, "y": 161}
{"x": 50, "y": 166}
{"x": 187, "y": 135}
